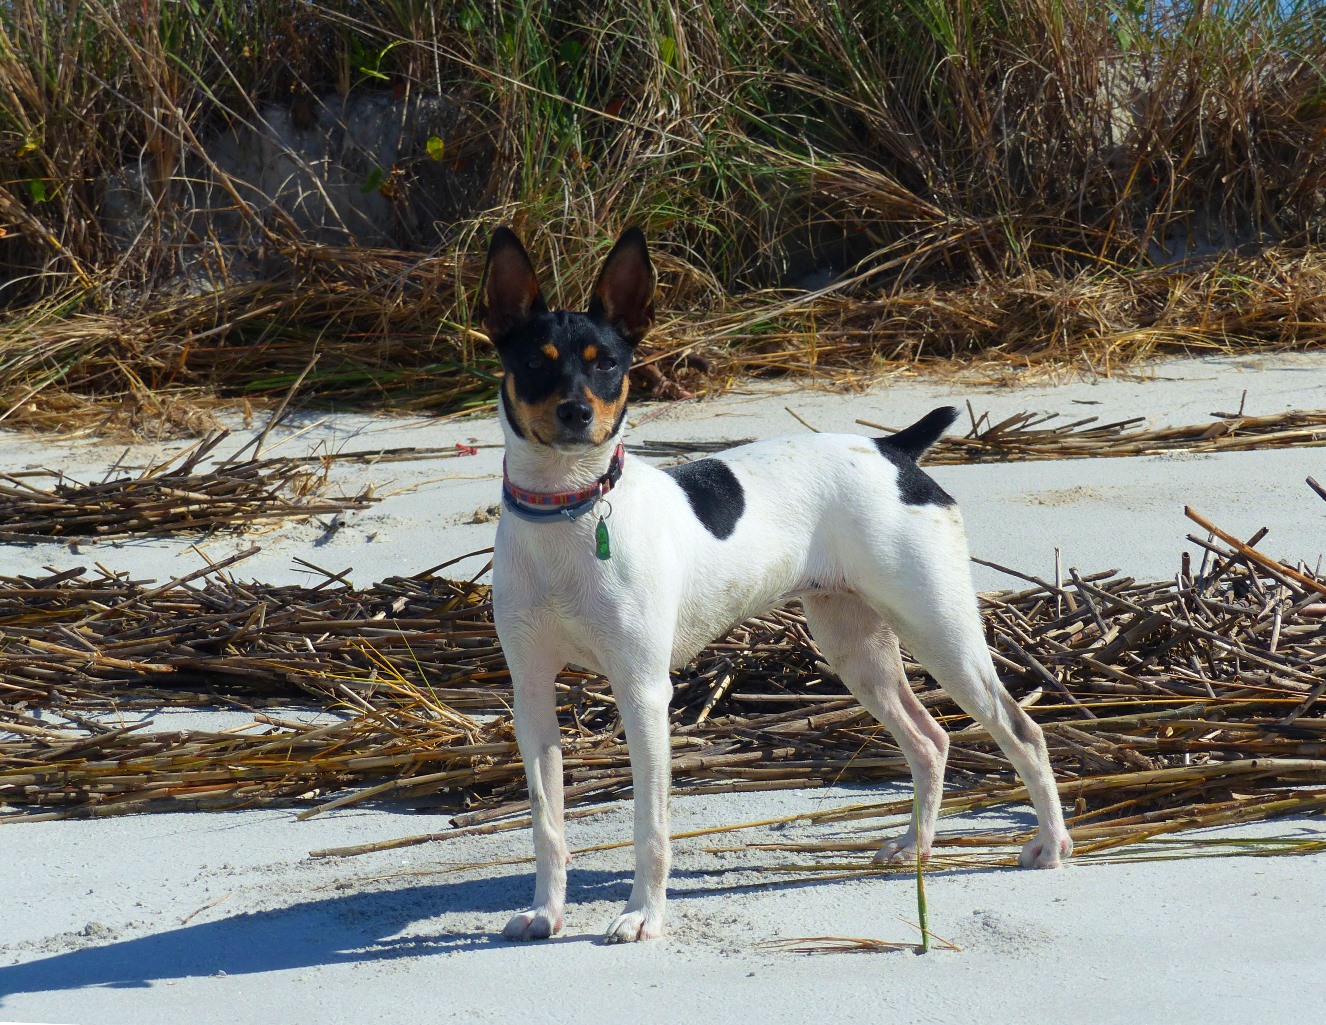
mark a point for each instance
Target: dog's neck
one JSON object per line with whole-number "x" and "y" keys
{"x": 534, "y": 467}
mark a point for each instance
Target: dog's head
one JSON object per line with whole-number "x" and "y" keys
{"x": 566, "y": 373}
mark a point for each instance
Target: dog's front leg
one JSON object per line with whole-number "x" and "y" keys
{"x": 642, "y": 700}
{"x": 540, "y": 747}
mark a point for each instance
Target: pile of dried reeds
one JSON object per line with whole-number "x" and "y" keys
{"x": 181, "y": 494}
{"x": 1025, "y": 437}
{"x": 392, "y": 331}
{"x": 1096, "y": 321}
{"x": 1028, "y": 436}
{"x": 379, "y": 322}
{"x": 82, "y": 643}
{"x": 1166, "y": 704}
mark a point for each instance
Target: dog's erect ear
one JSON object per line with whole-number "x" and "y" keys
{"x": 624, "y": 295}
{"x": 510, "y": 289}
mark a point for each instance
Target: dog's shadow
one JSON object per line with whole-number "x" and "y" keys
{"x": 347, "y": 928}
{"x": 350, "y": 927}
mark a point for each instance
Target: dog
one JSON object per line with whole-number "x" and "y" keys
{"x": 628, "y": 570}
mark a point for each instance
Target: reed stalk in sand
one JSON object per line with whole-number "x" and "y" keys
{"x": 922, "y": 912}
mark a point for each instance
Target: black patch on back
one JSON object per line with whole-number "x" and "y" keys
{"x": 907, "y": 446}
{"x": 715, "y": 494}
{"x": 914, "y": 484}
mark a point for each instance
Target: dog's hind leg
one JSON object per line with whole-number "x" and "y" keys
{"x": 936, "y": 617}
{"x": 863, "y": 650}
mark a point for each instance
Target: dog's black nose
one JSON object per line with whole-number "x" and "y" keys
{"x": 574, "y": 414}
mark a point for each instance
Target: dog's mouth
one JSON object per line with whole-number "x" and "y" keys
{"x": 568, "y": 441}
{"x": 569, "y": 445}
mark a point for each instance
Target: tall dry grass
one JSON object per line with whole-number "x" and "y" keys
{"x": 910, "y": 149}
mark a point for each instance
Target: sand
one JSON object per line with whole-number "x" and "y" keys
{"x": 225, "y": 918}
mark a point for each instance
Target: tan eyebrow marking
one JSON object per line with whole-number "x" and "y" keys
{"x": 590, "y": 353}
{"x": 550, "y": 351}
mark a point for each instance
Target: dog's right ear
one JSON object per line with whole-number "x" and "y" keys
{"x": 510, "y": 290}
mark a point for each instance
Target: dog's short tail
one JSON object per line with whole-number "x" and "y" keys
{"x": 915, "y": 441}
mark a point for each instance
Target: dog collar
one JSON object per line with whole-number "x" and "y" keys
{"x": 541, "y": 506}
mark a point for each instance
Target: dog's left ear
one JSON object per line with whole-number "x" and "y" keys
{"x": 624, "y": 294}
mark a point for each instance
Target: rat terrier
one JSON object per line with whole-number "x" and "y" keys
{"x": 629, "y": 571}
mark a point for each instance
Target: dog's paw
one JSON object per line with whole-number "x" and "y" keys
{"x": 901, "y": 850}
{"x": 632, "y": 926}
{"x": 534, "y": 924}
{"x": 1043, "y": 851}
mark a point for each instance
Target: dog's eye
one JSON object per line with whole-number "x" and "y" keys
{"x": 605, "y": 364}
{"x": 535, "y": 362}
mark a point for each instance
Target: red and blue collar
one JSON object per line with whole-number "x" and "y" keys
{"x": 541, "y": 506}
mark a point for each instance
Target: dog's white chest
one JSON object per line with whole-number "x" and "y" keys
{"x": 551, "y": 591}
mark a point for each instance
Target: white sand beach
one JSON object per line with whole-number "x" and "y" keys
{"x": 224, "y": 918}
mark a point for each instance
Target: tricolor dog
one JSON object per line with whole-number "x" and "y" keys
{"x": 608, "y": 563}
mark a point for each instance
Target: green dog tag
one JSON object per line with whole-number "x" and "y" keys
{"x": 601, "y": 548}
